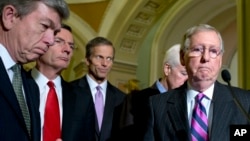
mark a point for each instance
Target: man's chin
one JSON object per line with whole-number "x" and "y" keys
{"x": 101, "y": 78}
{"x": 202, "y": 78}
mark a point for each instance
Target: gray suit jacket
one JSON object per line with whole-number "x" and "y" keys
{"x": 168, "y": 118}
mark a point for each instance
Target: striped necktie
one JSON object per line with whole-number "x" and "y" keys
{"x": 199, "y": 123}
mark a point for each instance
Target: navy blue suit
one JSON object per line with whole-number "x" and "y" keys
{"x": 12, "y": 125}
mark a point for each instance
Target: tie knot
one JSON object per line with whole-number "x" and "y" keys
{"x": 15, "y": 68}
{"x": 200, "y": 96}
{"x": 50, "y": 84}
{"x": 98, "y": 88}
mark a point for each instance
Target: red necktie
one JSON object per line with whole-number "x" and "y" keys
{"x": 51, "y": 128}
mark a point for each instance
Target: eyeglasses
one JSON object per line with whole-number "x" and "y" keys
{"x": 62, "y": 42}
{"x": 199, "y": 50}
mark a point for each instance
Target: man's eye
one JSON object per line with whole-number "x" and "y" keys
{"x": 98, "y": 57}
{"x": 109, "y": 58}
{"x": 57, "y": 41}
{"x": 196, "y": 49}
{"x": 184, "y": 73}
{"x": 44, "y": 27}
{"x": 213, "y": 51}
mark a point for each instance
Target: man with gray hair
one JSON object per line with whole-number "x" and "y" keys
{"x": 27, "y": 30}
{"x": 202, "y": 109}
{"x": 174, "y": 75}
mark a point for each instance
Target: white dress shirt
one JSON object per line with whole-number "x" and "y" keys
{"x": 93, "y": 85}
{"x": 8, "y": 64}
{"x": 42, "y": 81}
{"x": 206, "y": 101}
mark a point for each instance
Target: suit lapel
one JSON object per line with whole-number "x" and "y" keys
{"x": 221, "y": 106}
{"x": 32, "y": 98}
{"x": 84, "y": 85}
{"x": 68, "y": 101}
{"x": 7, "y": 91}
{"x": 177, "y": 114}
{"x": 107, "y": 117}
{"x": 108, "y": 111}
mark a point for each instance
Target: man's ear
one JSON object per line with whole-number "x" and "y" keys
{"x": 182, "y": 54}
{"x": 87, "y": 61}
{"x": 166, "y": 69}
{"x": 9, "y": 15}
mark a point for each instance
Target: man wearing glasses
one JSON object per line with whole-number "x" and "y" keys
{"x": 202, "y": 109}
{"x": 58, "y": 105}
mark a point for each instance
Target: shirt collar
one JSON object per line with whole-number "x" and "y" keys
{"x": 7, "y": 60}
{"x": 191, "y": 93}
{"x": 93, "y": 83}
{"x": 42, "y": 80}
{"x": 160, "y": 87}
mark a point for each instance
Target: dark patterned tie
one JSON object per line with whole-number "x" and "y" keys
{"x": 51, "y": 128}
{"x": 17, "y": 85}
{"x": 199, "y": 123}
{"x": 99, "y": 106}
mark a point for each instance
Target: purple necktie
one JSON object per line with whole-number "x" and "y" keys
{"x": 199, "y": 123}
{"x": 99, "y": 106}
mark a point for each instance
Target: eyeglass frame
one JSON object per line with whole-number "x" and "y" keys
{"x": 201, "y": 50}
{"x": 62, "y": 42}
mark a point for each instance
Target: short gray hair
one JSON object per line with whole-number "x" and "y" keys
{"x": 172, "y": 56}
{"x": 193, "y": 30}
{"x": 25, "y": 7}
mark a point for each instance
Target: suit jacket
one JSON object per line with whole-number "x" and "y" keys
{"x": 78, "y": 114}
{"x": 12, "y": 125}
{"x": 139, "y": 101}
{"x": 112, "y": 109}
{"x": 168, "y": 118}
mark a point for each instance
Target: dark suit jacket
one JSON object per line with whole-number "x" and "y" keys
{"x": 139, "y": 100}
{"x": 78, "y": 114}
{"x": 168, "y": 118}
{"x": 12, "y": 125}
{"x": 138, "y": 110}
{"x": 132, "y": 120}
{"x": 112, "y": 110}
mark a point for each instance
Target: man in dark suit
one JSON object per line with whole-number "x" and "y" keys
{"x": 25, "y": 35}
{"x": 99, "y": 59}
{"x": 174, "y": 75}
{"x": 173, "y": 116}
{"x": 75, "y": 125}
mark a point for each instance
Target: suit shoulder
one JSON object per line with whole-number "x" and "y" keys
{"x": 241, "y": 94}
{"x": 115, "y": 89}
{"x": 148, "y": 91}
{"x": 75, "y": 81}
{"x": 80, "y": 82}
{"x": 241, "y": 91}
{"x": 169, "y": 95}
{"x": 159, "y": 96}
